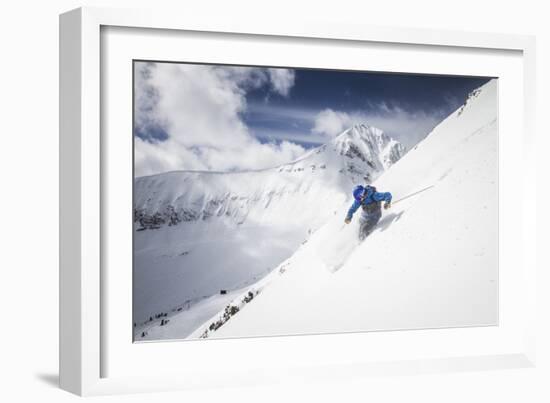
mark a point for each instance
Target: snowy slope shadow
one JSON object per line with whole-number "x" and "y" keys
{"x": 388, "y": 220}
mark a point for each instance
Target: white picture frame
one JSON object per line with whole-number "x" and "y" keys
{"x": 85, "y": 345}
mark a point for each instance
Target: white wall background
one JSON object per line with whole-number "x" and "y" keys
{"x": 29, "y": 201}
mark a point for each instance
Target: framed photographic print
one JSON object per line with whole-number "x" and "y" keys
{"x": 247, "y": 180}
{"x": 256, "y": 195}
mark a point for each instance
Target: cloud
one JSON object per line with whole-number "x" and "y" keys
{"x": 292, "y": 134}
{"x": 190, "y": 117}
{"x": 330, "y": 123}
{"x": 408, "y": 127}
{"x": 307, "y": 125}
{"x": 193, "y": 117}
{"x": 281, "y": 113}
{"x": 282, "y": 80}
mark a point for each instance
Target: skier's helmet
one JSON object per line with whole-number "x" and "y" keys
{"x": 358, "y": 192}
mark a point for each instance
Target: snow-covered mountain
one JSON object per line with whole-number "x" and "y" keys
{"x": 432, "y": 261}
{"x": 184, "y": 196}
{"x": 203, "y": 237}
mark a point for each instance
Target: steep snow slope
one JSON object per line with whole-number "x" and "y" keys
{"x": 432, "y": 262}
{"x": 197, "y": 233}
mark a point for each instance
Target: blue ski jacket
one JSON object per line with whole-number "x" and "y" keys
{"x": 371, "y": 197}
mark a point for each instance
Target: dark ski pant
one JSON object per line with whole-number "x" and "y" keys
{"x": 368, "y": 222}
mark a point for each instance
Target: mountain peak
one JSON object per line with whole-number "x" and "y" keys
{"x": 367, "y": 145}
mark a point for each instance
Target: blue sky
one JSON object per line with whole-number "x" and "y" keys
{"x": 190, "y": 116}
{"x": 421, "y": 99}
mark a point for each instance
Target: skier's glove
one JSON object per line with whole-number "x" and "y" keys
{"x": 347, "y": 220}
{"x": 387, "y": 205}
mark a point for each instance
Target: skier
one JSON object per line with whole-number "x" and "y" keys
{"x": 370, "y": 200}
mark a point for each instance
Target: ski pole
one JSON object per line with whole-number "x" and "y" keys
{"x": 412, "y": 194}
